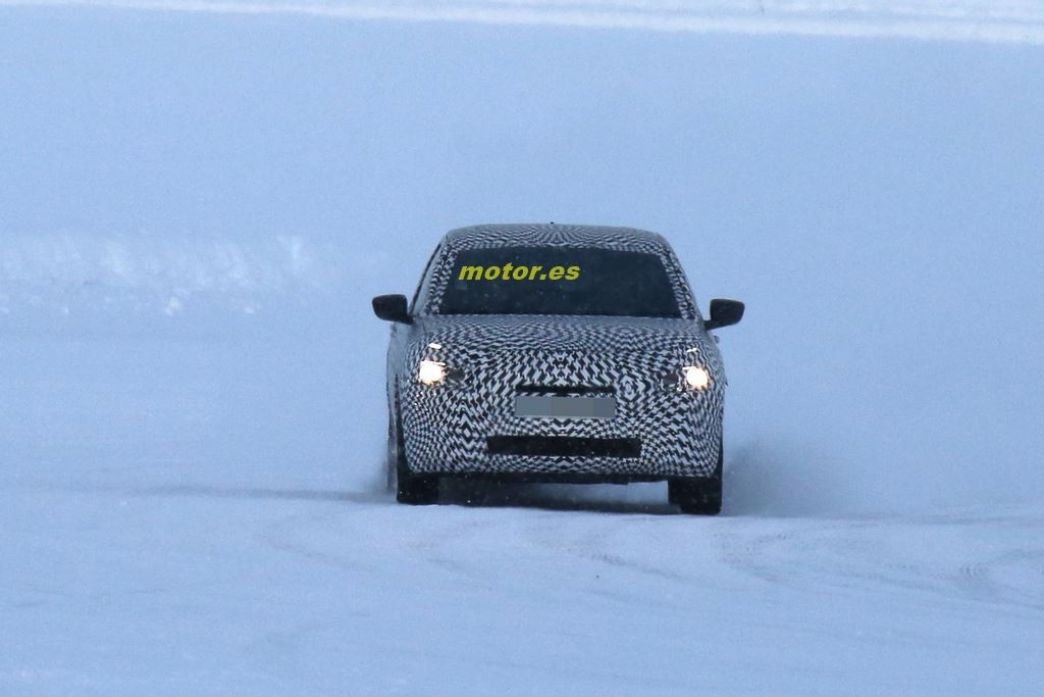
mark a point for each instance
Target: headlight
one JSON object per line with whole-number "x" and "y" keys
{"x": 696, "y": 377}
{"x": 431, "y": 372}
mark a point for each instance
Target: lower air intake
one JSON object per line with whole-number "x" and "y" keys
{"x": 563, "y": 446}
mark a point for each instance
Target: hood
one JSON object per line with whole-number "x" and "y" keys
{"x": 563, "y": 350}
{"x": 559, "y": 333}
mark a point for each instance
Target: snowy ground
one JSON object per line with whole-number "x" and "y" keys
{"x": 195, "y": 210}
{"x": 175, "y": 520}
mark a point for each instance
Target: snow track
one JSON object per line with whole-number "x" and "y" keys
{"x": 310, "y": 592}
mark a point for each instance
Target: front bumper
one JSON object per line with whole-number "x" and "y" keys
{"x": 656, "y": 433}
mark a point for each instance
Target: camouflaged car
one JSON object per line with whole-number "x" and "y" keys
{"x": 555, "y": 353}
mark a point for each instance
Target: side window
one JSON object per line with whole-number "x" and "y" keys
{"x": 420, "y": 296}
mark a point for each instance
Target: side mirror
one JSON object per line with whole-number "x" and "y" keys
{"x": 723, "y": 313}
{"x": 391, "y": 308}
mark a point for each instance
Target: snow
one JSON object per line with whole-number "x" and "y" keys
{"x": 1014, "y": 21}
{"x": 142, "y": 272}
{"x": 197, "y": 208}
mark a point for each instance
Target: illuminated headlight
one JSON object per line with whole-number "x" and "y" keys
{"x": 431, "y": 372}
{"x": 696, "y": 377}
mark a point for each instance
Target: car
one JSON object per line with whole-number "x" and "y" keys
{"x": 555, "y": 353}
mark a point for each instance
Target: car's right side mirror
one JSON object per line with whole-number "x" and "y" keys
{"x": 391, "y": 308}
{"x": 724, "y": 313}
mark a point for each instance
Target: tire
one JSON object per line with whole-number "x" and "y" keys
{"x": 410, "y": 488}
{"x": 698, "y": 495}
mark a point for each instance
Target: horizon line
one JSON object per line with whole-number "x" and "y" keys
{"x": 975, "y": 22}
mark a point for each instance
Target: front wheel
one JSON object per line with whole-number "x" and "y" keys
{"x": 415, "y": 489}
{"x": 698, "y": 495}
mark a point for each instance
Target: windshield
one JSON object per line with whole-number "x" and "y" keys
{"x": 558, "y": 281}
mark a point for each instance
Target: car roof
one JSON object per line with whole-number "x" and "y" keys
{"x": 553, "y": 234}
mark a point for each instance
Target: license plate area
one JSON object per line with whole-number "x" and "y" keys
{"x": 565, "y": 406}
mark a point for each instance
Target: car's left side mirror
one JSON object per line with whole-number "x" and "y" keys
{"x": 724, "y": 313}
{"x": 391, "y": 308}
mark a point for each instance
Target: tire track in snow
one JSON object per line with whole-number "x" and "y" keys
{"x": 983, "y": 580}
{"x": 859, "y": 555}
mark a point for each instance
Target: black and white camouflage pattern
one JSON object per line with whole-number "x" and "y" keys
{"x": 445, "y": 427}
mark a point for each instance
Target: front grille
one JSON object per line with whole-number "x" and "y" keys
{"x": 563, "y": 446}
